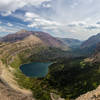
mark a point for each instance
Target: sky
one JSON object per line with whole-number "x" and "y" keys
{"x": 77, "y": 19}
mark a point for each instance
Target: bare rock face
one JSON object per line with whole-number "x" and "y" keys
{"x": 92, "y": 95}
{"x": 95, "y": 58}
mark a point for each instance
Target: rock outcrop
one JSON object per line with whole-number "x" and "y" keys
{"x": 92, "y": 95}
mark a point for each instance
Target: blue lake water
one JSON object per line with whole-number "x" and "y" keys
{"x": 35, "y": 69}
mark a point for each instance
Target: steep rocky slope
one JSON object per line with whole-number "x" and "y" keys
{"x": 92, "y": 42}
{"x": 95, "y": 57}
{"x": 92, "y": 95}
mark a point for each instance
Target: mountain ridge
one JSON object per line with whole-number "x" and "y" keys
{"x": 44, "y": 37}
{"x": 93, "y": 40}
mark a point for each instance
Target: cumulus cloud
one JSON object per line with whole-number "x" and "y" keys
{"x": 98, "y": 22}
{"x": 37, "y": 21}
{"x": 5, "y": 13}
{"x": 72, "y": 18}
{"x": 92, "y": 27}
{"x": 43, "y": 23}
{"x": 9, "y": 24}
{"x": 77, "y": 23}
{"x": 74, "y": 5}
{"x": 29, "y": 16}
{"x": 7, "y": 30}
{"x": 46, "y": 5}
{"x": 9, "y": 6}
{"x": 0, "y": 22}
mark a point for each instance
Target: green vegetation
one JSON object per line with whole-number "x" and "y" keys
{"x": 39, "y": 86}
{"x": 68, "y": 78}
{"x": 73, "y": 77}
{"x": 36, "y": 85}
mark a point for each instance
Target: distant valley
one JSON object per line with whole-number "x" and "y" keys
{"x": 72, "y": 43}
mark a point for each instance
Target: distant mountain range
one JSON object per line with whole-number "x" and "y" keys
{"x": 33, "y": 36}
{"x": 72, "y": 43}
{"x": 31, "y": 45}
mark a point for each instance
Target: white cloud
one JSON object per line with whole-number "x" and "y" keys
{"x": 0, "y": 22}
{"x": 9, "y": 6}
{"x": 39, "y": 22}
{"x": 46, "y": 5}
{"x": 43, "y": 23}
{"x": 77, "y": 23}
{"x": 72, "y": 18}
{"x": 32, "y": 25}
{"x": 93, "y": 27}
{"x": 4, "y": 30}
{"x": 98, "y": 22}
{"x": 74, "y": 5}
{"x": 30, "y": 16}
{"x": 5, "y": 13}
{"x": 9, "y": 24}
{"x": 7, "y": 30}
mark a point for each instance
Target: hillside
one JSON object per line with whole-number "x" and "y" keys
{"x": 45, "y": 38}
{"x": 91, "y": 43}
{"x": 96, "y": 56}
{"x": 30, "y": 44}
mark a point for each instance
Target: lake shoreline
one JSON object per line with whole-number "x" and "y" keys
{"x": 35, "y": 69}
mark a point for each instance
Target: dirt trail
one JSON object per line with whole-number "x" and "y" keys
{"x": 9, "y": 89}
